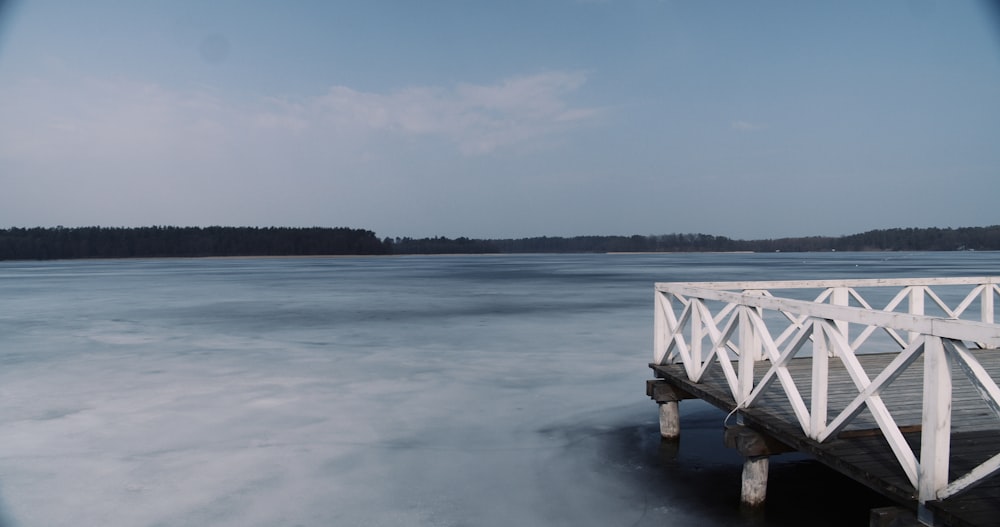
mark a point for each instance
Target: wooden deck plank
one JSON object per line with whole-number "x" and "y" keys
{"x": 975, "y": 428}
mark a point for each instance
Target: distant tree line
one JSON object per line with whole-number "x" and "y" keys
{"x": 909, "y": 239}
{"x": 113, "y": 242}
{"x": 932, "y": 239}
{"x": 928, "y": 239}
{"x": 40, "y": 243}
{"x": 576, "y": 244}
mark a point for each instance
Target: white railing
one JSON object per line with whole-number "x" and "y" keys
{"x": 737, "y": 325}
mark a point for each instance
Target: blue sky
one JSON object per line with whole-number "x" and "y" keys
{"x": 502, "y": 119}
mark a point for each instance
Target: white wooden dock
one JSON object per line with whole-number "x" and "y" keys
{"x": 891, "y": 382}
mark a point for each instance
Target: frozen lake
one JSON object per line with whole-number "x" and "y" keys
{"x": 395, "y": 391}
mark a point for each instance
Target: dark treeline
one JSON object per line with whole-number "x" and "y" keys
{"x": 114, "y": 242}
{"x": 911, "y": 239}
{"x": 928, "y": 239}
{"x": 577, "y": 244}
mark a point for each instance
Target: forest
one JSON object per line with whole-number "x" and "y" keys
{"x": 156, "y": 242}
{"x": 904, "y": 239}
{"x": 49, "y": 243}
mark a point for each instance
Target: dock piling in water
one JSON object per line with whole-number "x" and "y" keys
{"x": 668, "y": 398}
{"x": 670, "y": 420}
{"x": 756, "y": 449}
{"x": 754, "y": 487}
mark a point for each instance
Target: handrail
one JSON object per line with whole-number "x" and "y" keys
{"x": 741, "y": 331}
{"x": 850, "y": 282}
{"x": 927, "y": 325}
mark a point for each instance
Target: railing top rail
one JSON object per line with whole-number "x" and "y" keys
{"x": 982, "y": 332}
{"x": 818, "y": 284}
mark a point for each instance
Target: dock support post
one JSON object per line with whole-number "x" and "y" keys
{"x": 756, "y": 449}
{"x": 670, "y": 420}
{"x": 754, "y": 489}
{"x": 668, "y": 398}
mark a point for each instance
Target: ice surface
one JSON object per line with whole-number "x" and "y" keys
{"x": 480, "y": 390}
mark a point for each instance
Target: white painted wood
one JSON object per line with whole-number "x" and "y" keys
{"x": 988, "y": 468}
{"x": 777, "y": 370}
{"x": 820, "y": 386}
{"x": 721, "y": 342}
{"x": 916, "y": 307}
{"x": 790, "y": 351}
{"x": 893, "y": 370}
{"x": 724, "y": 313}
{"x": 674, "y": 328}
{"x": 940, "y": 303}
{"x": 889, "y": 428}
{"x": 689, "y": 317}
{"x": 816, "y": 284}
{"x": 660, "y": 309}
{"x": 796, "y": 323}
{"x": 853, "y": 293}
{"x": 896, "y": 300}
{"x": 935, "y": 420}
{"x": 967, "y": 301}
{"x": 841, "y": 297}
{"x": 980, "y": 378}
{"x": 866, "y": 332}
{"x": 675, "y": 340}
{"x": 942, "y": 327}
{"x": 748, "y": 354}
{"x": 697, "y": 330}
{"x": 987, "y": 304}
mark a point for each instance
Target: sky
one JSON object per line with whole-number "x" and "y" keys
{"x": 502, "y": 119}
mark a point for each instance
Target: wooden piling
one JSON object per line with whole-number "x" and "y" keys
{"x": 668, "y": 397}
{"x": 754, "y": 487}
{"x": 670, "y": 420}
{"x": 756, "y": 449}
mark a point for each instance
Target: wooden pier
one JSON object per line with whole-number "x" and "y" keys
{"x": 902, "y": 398}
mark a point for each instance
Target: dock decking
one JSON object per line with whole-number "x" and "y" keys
{"x": 919, "y": 423}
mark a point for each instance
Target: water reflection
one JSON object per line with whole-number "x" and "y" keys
{"x": 698, "y": 478}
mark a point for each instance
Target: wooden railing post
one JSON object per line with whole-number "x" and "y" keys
{"x": 986, "y": 303}
{"x": 916, "y": 307}
{"x": 820, "y": 373}
{"x": 697, "y": 332}
{"x": 659, "y": 326}
{"x": 935, "y": 441}
{"x": 841, "y": 297}
{"x": 749, "y": 350}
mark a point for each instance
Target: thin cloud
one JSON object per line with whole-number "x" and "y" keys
{"x": 109, "y": 118}
{"x": 106, "y": 119}
{"x": 746, "y": 126}
{"x": 477, "y": 118}
{"x": 79, "y": 150}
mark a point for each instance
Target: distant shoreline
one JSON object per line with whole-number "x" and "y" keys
{"x": 683, "y": 252}
{"x": 447, "y": 255}
{"x": 62, "y": 243}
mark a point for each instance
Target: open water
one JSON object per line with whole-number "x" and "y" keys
{"x": 395, "y": 391}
